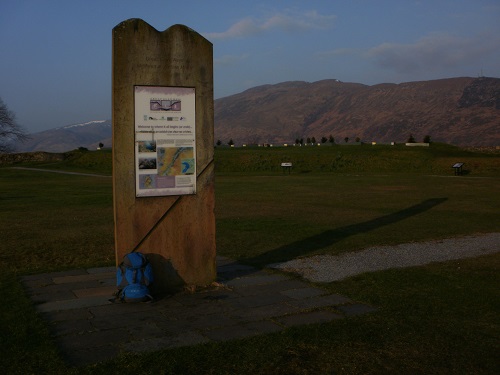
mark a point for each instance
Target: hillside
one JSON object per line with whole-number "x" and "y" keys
{"x": 70, "y": 137}
{"x": 460, "y": 111}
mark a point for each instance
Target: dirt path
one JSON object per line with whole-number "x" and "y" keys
{"x": 62, "y": 172}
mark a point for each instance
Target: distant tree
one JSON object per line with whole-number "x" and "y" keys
{"x": 230, "y": 143}
{"x": 301, "y": 141}
{"x": 411, "y": 139}
{"x": 427, "y": 139}
{"x": 83, "y": 149}
{"x": 313, "y": 140}
{"x": 10, "y": 131}
{"x": 324, "y": 139}
{"x": 308, "y": 140}
{"x": 297, "y": 141}
{"x": 346, "y": 139}
{"x": 358, "y": 139}
{"x": 218, "y": 142}
{"x": 331, "y": 139}
{"x": 101, "y": 145}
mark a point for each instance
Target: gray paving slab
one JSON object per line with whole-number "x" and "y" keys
{"x": 89, "y": 327}
{"x": 250, "y": 302}
{"x": 124, "y": 320}
{"x": 233, "y": 266}
{"x": 173, "y": 326}
{"x": 117, "y": 309}
{"x": 51, "y": 275}
{"x": 264, "y": 312}
{"x": 71, "y": 304}
{"x": 233, "y": 271}
{"x": 60, "y": 295}
{"x": 75, "y": 327}
{"x": 106, "y": 291}
{"x": 85, "y": 277}
{"x": 230, "y": 267}
{"x": 204, "y": 308}
{"x": 203, "y": 299}
{"x": 95, "y": 339}
{"x": 275, "y": 287}
{"x": 207, "y": 322}
{"x": 223, "y": 261}
{"x": 65, "y": 315}
{"x": 301, "y": 293}
{"x": 255, "y": 279}
{"x": 147, "y": 330}
{"x": 57, "y": 288}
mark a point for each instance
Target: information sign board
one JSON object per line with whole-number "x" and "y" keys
{"x": 165, "y": 146}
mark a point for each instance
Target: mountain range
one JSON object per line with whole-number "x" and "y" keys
{"x": 461, "y": 111}
{"x": 66, "y": 138}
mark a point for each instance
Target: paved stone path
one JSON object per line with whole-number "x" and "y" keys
{"x": 89, "y": 328}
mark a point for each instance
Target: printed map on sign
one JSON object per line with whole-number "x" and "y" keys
{"x": 174, "y": 161}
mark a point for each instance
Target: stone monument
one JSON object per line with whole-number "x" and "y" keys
{"x": 163, "y": 168}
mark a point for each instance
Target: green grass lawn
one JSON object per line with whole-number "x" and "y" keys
{"x": 438, "y": 318}
{"x": 301, "y": 215}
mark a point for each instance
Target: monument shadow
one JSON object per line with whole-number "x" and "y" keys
{"x": 329, "y": 237}
{"x": 164, "y": 274}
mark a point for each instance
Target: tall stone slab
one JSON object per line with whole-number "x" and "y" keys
{"x": 177, "y": 232}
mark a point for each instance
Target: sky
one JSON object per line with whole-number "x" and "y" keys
{"x": 55, "y": 59}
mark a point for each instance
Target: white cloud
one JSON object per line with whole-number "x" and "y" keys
{"x": 289, "y": 21}
{"x": 240, "y": 29}
{"x": 434, "y": 52}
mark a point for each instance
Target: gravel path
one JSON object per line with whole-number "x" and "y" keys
{"x": 327, "y": 268}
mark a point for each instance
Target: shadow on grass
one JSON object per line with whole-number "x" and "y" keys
{"x": 329, "y": 237}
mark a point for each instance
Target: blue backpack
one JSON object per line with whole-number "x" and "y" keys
{"x": 133, "y": 277}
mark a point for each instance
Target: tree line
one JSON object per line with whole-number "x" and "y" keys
{"x": 331, "y": 140}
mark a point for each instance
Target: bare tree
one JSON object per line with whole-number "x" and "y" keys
{"x": 10, "y": 131}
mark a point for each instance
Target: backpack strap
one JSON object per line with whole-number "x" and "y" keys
{"x": 134, "y": 276}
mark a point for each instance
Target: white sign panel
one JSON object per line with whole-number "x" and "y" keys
{"x": 165, "y": 147}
